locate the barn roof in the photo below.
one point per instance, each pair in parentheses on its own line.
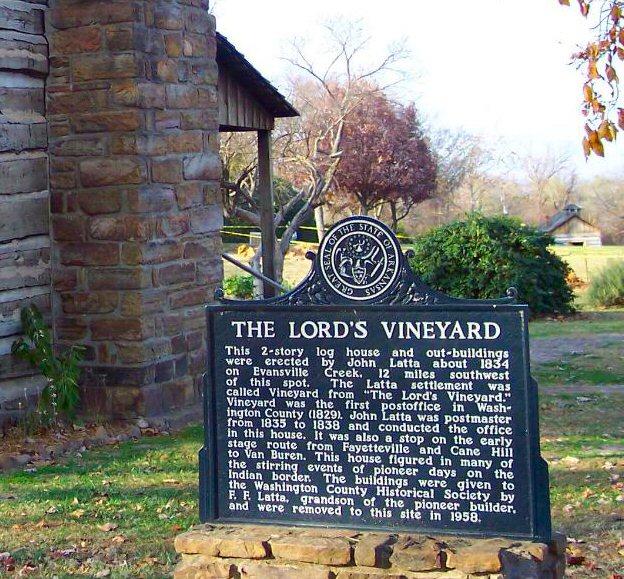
(569,212)
(244,72)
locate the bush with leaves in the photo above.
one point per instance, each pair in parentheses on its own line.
(61,395)
(239,286)
(607,289)
(481,257)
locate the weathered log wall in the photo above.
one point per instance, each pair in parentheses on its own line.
(24,197)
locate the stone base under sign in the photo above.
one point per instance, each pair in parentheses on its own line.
(270,552)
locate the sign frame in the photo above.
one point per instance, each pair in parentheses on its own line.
(406,293)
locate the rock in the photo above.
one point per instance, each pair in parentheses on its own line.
(55,450)
(481,557)
(323,551)
(368,574)
(270,571)
(22,459)
(374,550)
(160,423)
(249,544)
(135,432)
(520,564)
(537,551)
(100,434)
(7,462)
(198,567)
(559,544)
(454,574)
(328,533)
(142,423)
(43,452)
(418,553)
(72,445)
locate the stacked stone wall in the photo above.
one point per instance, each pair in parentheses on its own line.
(24,197)
(134,170)
(270,552)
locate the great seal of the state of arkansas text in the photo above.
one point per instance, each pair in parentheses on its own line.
(360,259)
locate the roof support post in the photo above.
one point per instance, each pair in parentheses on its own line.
(265,193)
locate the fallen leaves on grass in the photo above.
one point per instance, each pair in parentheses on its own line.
(108,527)
(43,524)
(573,560)
(7,562)
(62,553)
(27,569)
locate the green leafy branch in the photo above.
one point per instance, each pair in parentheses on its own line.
(61,395)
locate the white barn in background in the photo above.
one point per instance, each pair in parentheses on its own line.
(569,228)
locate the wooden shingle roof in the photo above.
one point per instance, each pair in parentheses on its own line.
(570,211)
(234,67)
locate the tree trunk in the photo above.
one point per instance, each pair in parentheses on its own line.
(319,219)
(255,264)
(279,266)
(393,216)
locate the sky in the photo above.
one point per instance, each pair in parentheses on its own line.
(497,68)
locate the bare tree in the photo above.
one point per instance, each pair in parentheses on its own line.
(604,200)
(325,89)
(562,189)
(541,171)
(464,162)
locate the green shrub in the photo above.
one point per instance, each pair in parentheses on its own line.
(239,286)
(607,289)
(481,257)
(288,286)
(61,395)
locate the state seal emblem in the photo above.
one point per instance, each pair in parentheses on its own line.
(360,259)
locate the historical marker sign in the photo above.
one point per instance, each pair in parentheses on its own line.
(365,399)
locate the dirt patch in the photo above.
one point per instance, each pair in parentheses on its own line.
(554,349)
(604,389)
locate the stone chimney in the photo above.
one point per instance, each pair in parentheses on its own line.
(135,211)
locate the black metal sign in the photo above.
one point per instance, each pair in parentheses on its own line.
(365,399)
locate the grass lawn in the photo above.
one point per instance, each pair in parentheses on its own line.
(589,261)
(603,365)
(583,324)
(117,508)
(114,511)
